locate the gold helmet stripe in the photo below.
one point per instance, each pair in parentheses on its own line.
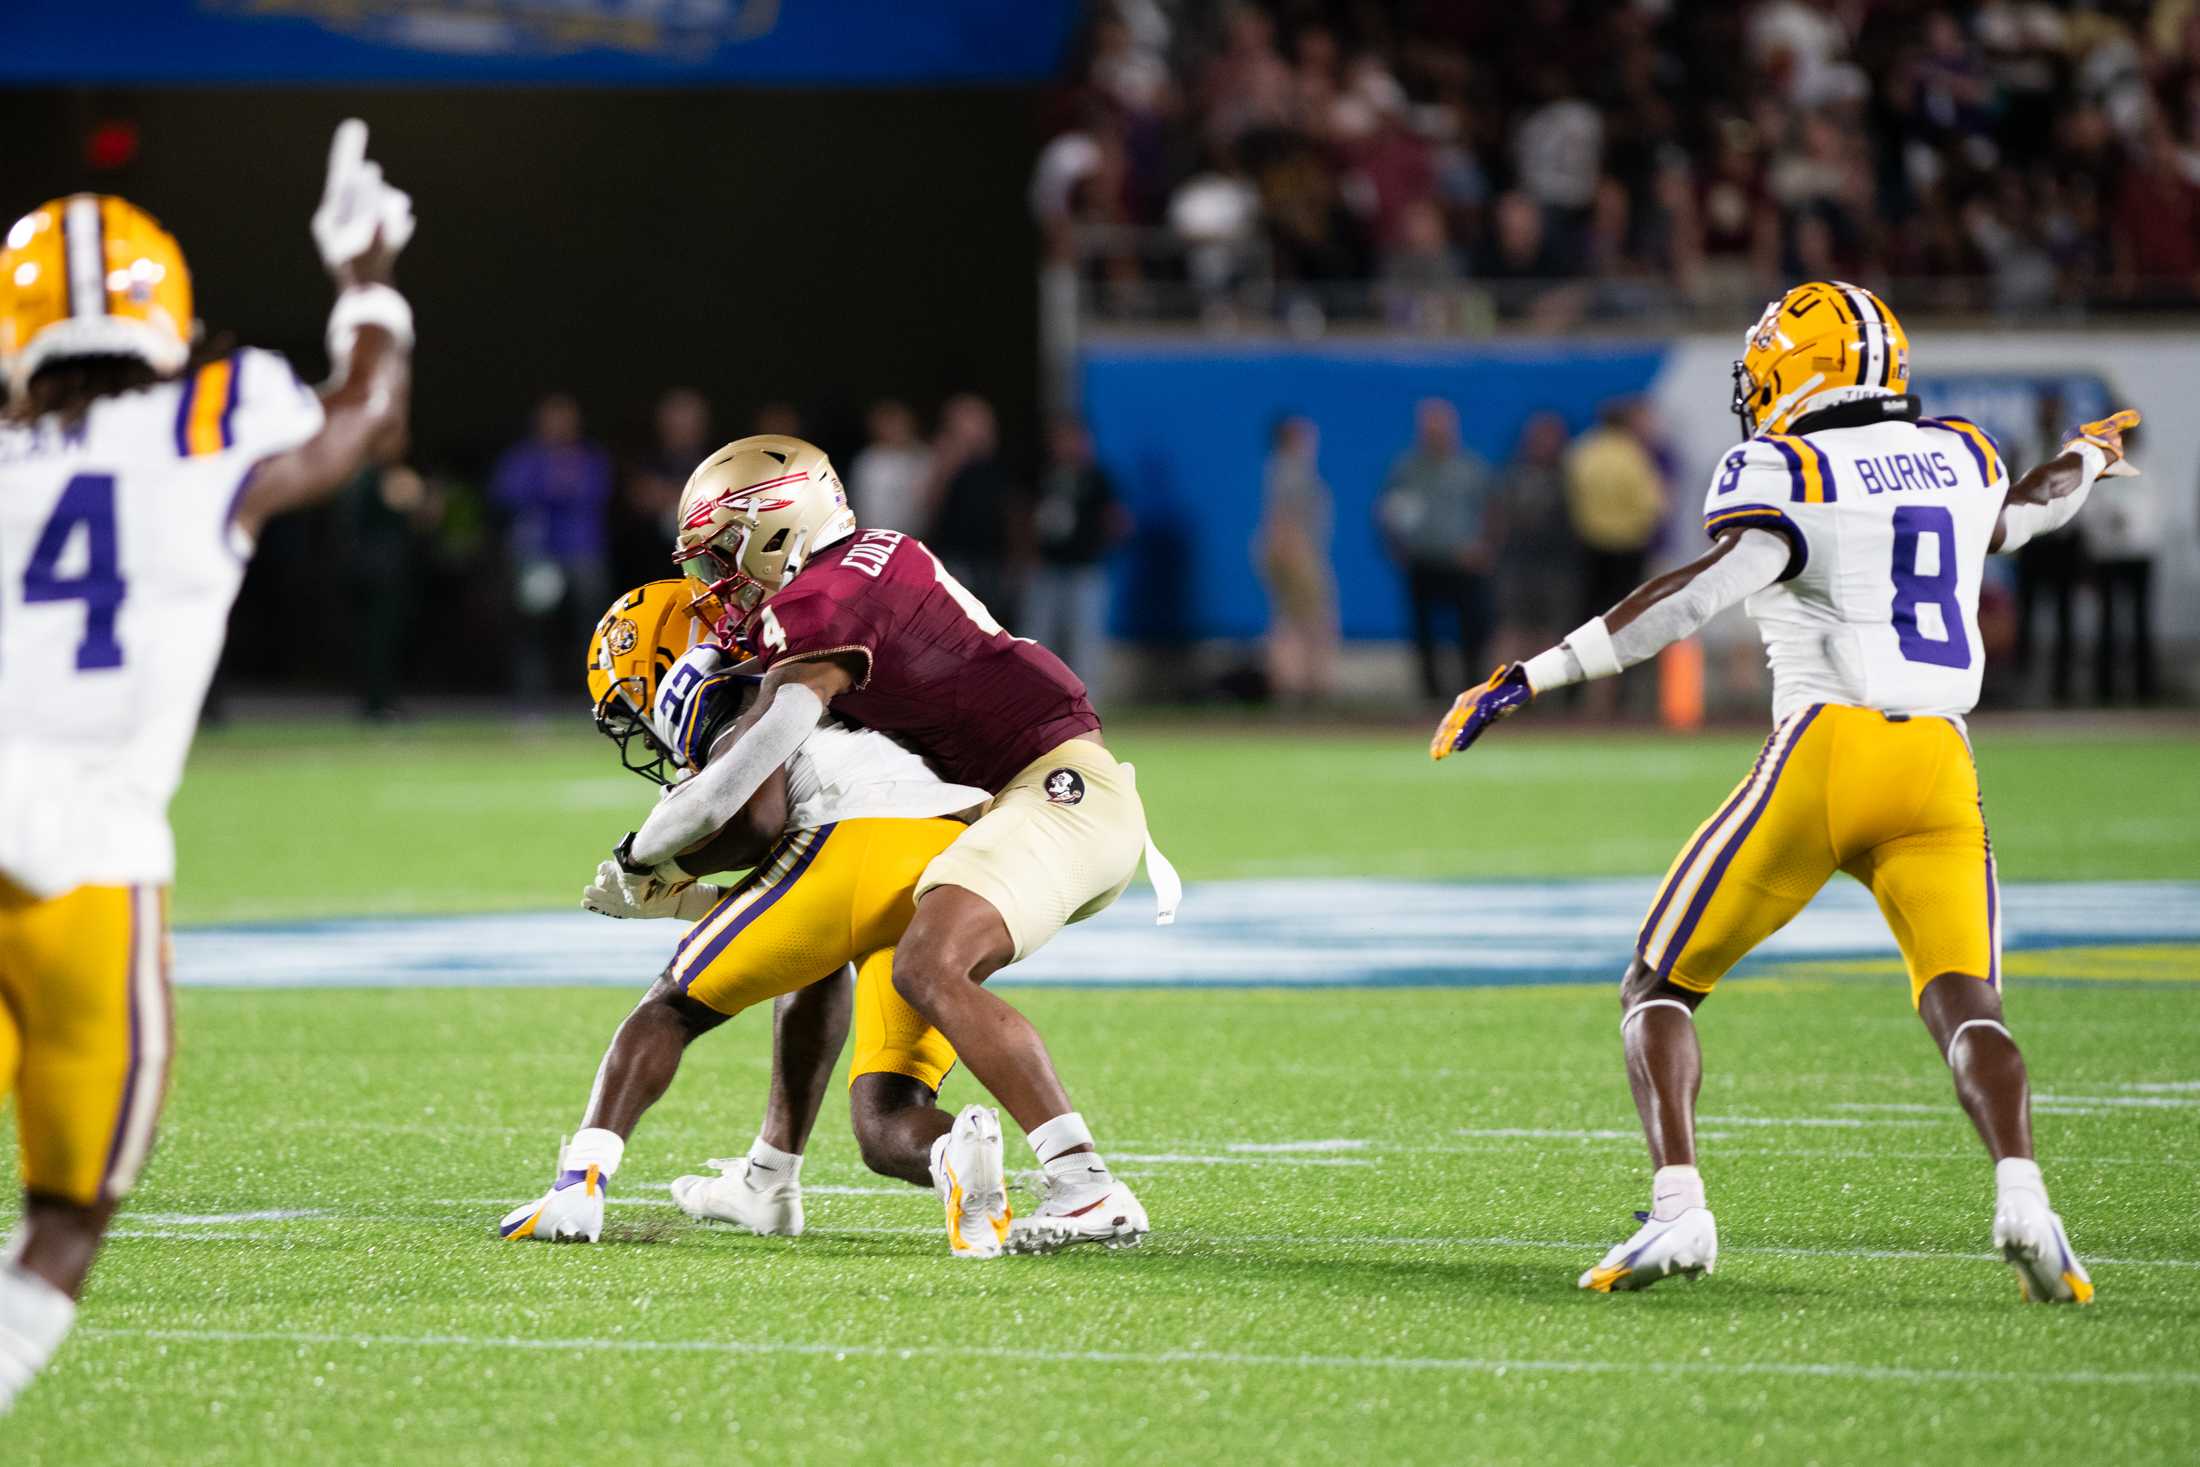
(84,245)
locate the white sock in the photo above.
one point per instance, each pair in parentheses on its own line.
(593,1146)
(785,1166)
(2018,1174)
(34,1319)
(1065,1133)
(1673,1190)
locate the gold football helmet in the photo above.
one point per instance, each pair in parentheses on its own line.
(646,630)
(754,512)
(92,275)
(1823,337)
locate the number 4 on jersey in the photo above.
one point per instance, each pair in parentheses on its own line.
(87,502)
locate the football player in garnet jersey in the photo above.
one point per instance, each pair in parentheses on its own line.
(836,841)
(870,625)
(1857,531)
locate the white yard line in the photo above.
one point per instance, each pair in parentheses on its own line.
(1268,1147)
(220,1219)
(1235,1359)
(1178,1158)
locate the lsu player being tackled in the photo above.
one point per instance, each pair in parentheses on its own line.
(1856,531)
(837,840)
(133,483)
(869,624)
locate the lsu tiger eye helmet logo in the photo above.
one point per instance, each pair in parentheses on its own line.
(1823,337)
(635,644)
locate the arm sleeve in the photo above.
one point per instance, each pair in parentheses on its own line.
(705,803)
(2022,523)
(1757,560)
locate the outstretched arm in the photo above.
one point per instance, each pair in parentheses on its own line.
(794,696)
(360,227)
(2051,495)
(1649,619)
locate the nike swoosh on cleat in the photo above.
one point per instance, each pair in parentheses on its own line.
(1081,1211)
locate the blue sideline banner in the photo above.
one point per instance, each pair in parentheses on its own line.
(1184,427)
(611,42)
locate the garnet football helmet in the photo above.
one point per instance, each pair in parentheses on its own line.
(752,515)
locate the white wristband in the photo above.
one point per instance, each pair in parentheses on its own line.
(362,306)
(1556,668)
(1591,644)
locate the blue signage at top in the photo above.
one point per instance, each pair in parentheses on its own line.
(619,42)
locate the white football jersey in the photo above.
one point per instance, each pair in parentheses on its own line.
(1888,525)
(843,773)
(118,563)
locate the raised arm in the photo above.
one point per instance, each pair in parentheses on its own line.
(793,697)
(2051,495)
(360,227)
(1647,620)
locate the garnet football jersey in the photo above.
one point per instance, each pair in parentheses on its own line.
(938,669)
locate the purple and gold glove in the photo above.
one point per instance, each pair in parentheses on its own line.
(1506,693)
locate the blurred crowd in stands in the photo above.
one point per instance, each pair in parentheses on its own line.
(1448,164)
(561,524)
(490,586)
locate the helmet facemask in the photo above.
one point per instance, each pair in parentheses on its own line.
(619,718)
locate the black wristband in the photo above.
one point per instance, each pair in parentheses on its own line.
(623,853)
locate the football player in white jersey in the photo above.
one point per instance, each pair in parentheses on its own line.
(133,483)
(837,841)
(1856,532)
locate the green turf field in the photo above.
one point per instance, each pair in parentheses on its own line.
(1407,1300)
(1370,1206)
(321,820)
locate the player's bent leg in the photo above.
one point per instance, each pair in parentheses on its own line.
(762,1191)
(897,1122)
(956,941)
(1679,1235)
(85,1037)
(634,1074)
(1964,1015)
(894,1078)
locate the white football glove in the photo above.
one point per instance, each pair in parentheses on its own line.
(356,202)
(618,892)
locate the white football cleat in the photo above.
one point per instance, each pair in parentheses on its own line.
(1089,1206)
(1687,1244)
(972,1182)
(570,1212)
(2031,1237)
(766,1202)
